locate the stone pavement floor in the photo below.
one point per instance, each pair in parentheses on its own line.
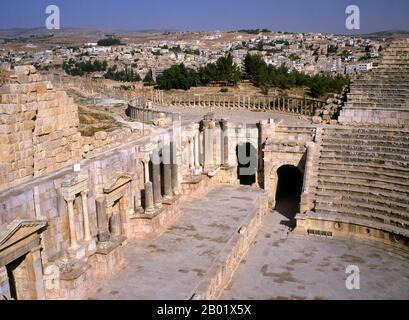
(297,267)
(237,116)
(172,265)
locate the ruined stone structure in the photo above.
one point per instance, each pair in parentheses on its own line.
(359,180)
(39,128)
(62,229)
(297,105)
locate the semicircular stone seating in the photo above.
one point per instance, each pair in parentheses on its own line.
(363,165)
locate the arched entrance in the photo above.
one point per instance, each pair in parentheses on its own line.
(247,161)
(288,195)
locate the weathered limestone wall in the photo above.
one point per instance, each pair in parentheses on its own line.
(38,128)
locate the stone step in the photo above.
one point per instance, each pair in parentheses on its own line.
(395,176)
(367,138)
(377,200)
(374,105)
(379,95)
(367,86)
(353,145)
(365,199)
(362,166)
(395,191)
(355,214)
(322,176)
(403,144)
(394,159)
(377,101)
(369,210)
(381,80)
(362,192)
(370,133)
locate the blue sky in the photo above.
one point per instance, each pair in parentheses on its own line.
(195,15)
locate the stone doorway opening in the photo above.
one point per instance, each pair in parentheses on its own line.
(247,162)
(17,277)
(288,195)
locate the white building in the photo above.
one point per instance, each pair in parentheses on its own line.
(358,68)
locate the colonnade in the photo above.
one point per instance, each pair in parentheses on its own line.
(157,160)
(299,105)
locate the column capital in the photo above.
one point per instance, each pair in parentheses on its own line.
(211,124)
(225,124)
(69,198)
(84,193)
(204,124)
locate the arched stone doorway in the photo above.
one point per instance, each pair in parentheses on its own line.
(247,162)
(288,194)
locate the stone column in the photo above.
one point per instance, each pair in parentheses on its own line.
(149,208)
(225,143)
(71,220)
(175,168)
(156,180)
(84,198)
(191,152)
(167,172)
(146,170)
(196,147)
(208,143)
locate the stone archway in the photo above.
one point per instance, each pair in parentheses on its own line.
(288,192)
(247,163)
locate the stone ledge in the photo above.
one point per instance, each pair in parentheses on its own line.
(225,265)
(340,226)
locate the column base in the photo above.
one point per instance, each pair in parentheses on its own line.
(77,253)
(74,283)
(149,211)
(108,259)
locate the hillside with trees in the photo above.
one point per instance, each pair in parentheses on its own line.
(110,41)
(80,68)
(125,75)
(223,72)
(262,75)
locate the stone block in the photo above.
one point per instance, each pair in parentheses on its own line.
(22,70)
(100,135)
(62,157)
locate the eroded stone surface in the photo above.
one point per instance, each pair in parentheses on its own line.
(297,267)
(171,266)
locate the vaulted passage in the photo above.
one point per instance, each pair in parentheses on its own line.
(247,163)
(289,189)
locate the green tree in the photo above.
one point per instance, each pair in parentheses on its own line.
(148,80)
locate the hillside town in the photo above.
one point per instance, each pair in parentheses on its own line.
(311,53)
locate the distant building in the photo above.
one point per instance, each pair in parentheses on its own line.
(358,68)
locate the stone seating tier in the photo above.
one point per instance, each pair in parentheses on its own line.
(363,173)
